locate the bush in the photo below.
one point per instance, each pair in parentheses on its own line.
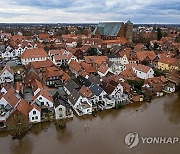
(118,106)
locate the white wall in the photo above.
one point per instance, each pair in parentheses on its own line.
(6,74)
(31,115)
(28,60)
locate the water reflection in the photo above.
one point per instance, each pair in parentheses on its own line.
(41,127)
(23,146)
(63,135)
(172,108)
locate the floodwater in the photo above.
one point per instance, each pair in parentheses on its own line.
(105,133)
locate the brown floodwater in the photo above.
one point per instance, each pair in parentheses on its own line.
(105,133)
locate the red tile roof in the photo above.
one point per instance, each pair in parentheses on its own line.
(75,65)
(23,107)
(8,69)
(141,55)
(12,97)
(34,53)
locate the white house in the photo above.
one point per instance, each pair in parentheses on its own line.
(71,43)
(79,104)
(99,95)
(142,71)
(62,110)
(31,55)
(7,75)
(43,98)
(63,58)
(124,59)
(34,114)
(116,68)
(8,53)
(114,92)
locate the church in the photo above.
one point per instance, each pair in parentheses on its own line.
(114,31)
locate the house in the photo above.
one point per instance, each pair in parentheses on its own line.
(36,86)
(40,66)
(8,102)
(99,95)
(43,37)
(154,85)
(62,109)
(7,75)
(96,61)
(114,92)
(94,79)
(88,68)
(62,57)
(79,104)
(114,57)
(8,53)
(52,76)
(71,43)
(168,64)
(128,75)
(82,81)
(34,114)
(43,99)
(19,115)
(116,68)
(69,86)
(169,87)
(127,56)
(141,71)
(4,88)
(29,77)
(174,78)
(75,67)
(146,57)
(31,55)
(103,70)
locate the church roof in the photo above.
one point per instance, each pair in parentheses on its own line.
(108,28)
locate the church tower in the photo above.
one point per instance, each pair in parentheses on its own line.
(129,31)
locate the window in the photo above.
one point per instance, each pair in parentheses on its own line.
(40,98)
(32,118)
(36,117)
(100,97)
(34,112)
(42,103)
(60,109)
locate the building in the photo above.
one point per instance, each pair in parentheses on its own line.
(114,30)
(34,114)
(168,64)
(7,75)
(141,71)
(31,55)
